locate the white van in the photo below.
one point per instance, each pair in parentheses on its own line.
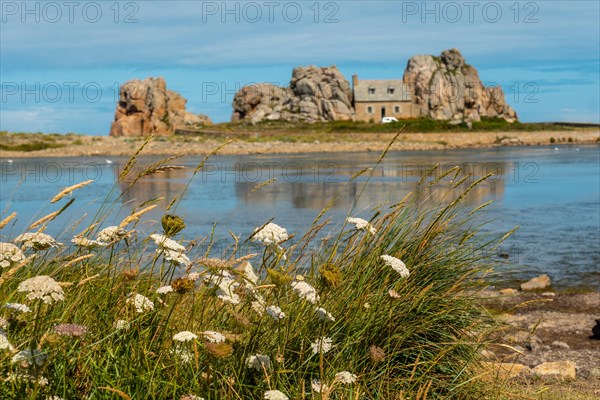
(387,120)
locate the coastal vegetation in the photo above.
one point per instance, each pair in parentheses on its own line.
(385,308)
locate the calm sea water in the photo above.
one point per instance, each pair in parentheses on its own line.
(553,194)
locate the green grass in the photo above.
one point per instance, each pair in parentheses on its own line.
(411,126)
(415,337)
(31,146)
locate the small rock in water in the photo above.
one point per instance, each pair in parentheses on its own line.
(508,291)
(596,331)
(556,369)
(537,283)
(549,294)
(560,345)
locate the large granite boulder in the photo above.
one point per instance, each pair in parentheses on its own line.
(447,88)
(314,94)
(147,107)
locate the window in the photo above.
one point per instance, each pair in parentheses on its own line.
(397,109)
(391,90)
(370,110)
(371,90)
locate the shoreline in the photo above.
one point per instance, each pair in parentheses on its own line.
(245,144)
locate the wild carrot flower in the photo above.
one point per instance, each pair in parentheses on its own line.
(305,291)
(324,315)
(85,242)
(140,302)
(185,336)
(184,355)
(164,289)
(10,255)
(275,312)
(29,357)
(111,234)
(165,243)
(318,386)
(225,285)
(42,287)
(72,330)
(362,224)
(397,265)
(17,307)
(248,273)
(4,343)
(258,306)
(275,395)
(270,234)
(345,377)
(121,324)
(36,241)
(393,294)
(213,337)
(175,257)
(258,362)
(322,344)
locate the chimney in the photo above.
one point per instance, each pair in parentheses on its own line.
(354,80)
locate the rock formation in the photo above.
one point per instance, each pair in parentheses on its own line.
(442,88)
(314,94)
(147,107)
(447,88)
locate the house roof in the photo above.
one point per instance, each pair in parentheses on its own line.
(381,90)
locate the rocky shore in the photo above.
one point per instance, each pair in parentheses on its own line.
(282,143)
(548,339)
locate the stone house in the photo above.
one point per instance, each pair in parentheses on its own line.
(375,99)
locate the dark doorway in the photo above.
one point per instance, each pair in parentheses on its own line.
(382,112)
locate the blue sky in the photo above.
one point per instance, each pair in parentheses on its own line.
(61,62)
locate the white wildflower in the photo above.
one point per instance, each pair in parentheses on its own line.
(324,315)
(258,306)
(140,302)
(29,357)
(275,312)
(10,255)
(213,337)
(393,294)
(225,285)
(305,291)
(42,287)
(85,242)
(17,307)
(345,377)
(185,336)
(184,355)
(4,343)
(362,224)
(122,325)
(164,289)
(54,398)
(323,344)
(318,386)
(191,397)
(165,243)
(258,362)
(36,241)
(19,377)
(248,273)
(175,257)
(270,234)
(193,276)
(367,306)
(397,265)
(275,395)
(111,234)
